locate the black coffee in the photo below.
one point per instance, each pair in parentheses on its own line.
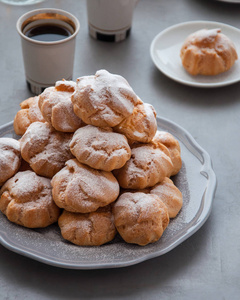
(48,33)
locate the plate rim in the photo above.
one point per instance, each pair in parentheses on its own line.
(207,170)
(176,78)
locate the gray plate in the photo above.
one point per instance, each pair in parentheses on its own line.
(197,182)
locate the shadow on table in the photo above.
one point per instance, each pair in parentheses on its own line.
(194,96)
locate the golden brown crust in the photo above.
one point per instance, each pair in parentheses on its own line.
(141,125)
(91,229)
(103,99)
(65,86)
(28,114)
(168,140)
(140,218)
(79,188)
(148,165)
(57,109)
(100,148)
(45,149)
(208,52)
(10,158)
(26,199)
(170,195)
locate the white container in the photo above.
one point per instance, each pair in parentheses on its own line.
(110,20)
(47,62)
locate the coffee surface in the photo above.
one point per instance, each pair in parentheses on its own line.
(48,33)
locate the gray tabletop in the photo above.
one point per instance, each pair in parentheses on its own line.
(205,266)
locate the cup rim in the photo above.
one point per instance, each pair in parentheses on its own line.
(47,10)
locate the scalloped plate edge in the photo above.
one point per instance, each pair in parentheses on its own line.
(209,194)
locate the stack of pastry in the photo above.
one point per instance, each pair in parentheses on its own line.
(93,160)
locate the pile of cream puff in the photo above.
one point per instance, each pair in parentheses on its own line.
(90,157)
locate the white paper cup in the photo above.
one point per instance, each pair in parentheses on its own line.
(110,20)
(47,62)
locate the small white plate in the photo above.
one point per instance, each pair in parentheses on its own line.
(165,53)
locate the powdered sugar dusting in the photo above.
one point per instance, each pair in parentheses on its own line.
(141,125)
(9,144)
(104,99)
(206,35)
(147,166)
(56,107)
(87,188)
(100,148)
(45,149)
(10,158)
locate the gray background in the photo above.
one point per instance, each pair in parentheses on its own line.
(207,265)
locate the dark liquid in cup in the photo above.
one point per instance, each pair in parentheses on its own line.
(48,33)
